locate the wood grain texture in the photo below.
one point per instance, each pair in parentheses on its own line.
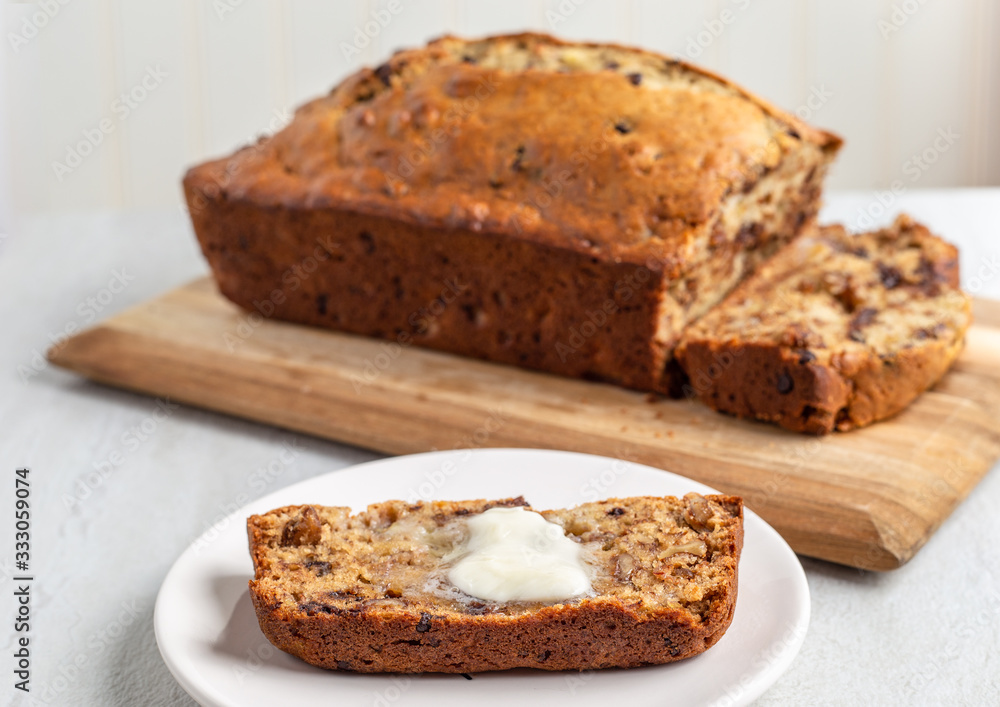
(869,498)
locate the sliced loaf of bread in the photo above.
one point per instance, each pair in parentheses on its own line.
(835,332)
(560,206)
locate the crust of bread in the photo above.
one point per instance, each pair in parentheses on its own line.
(397,635)
(585,266)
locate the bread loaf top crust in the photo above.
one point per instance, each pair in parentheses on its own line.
(620,153)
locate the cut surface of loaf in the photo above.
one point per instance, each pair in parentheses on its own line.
(370,592)
(560,206)
(835,332)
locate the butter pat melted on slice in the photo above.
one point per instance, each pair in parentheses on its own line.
(513,554)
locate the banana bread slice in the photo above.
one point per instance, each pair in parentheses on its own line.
(559,206)
(370,592)
(835,332)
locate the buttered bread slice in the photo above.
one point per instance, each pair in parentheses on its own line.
(480,585)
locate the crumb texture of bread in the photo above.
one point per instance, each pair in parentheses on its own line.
(560,206)
(370,592)
(835,332)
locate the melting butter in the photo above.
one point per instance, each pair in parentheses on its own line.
(513,554)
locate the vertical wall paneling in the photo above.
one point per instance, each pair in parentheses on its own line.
(241,56)
(764,48)
(932,50)
(280,70)
(6,198)
(980,69)
(194,119)
(987,139)
(477,18)
(415,23)
(886,75)
(156,112)
(849,67)
(591,20)
(22,104)
(110,38)
(673,27)
(66,97)
(327,42)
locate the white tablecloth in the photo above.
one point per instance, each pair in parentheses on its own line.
(120,487)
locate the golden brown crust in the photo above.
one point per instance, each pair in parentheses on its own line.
(835,332)
(581,240)
(685,604)
(500,145)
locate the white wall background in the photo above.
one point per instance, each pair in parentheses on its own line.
(889,75)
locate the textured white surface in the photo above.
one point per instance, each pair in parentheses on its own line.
(928,633)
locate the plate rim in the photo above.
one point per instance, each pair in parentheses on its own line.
(204,693)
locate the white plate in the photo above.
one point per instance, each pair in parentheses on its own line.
(208,634)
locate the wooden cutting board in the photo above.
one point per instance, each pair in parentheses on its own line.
(869,498)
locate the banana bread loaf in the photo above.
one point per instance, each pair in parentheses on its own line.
(371,592)
(835,332)
(559,206)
